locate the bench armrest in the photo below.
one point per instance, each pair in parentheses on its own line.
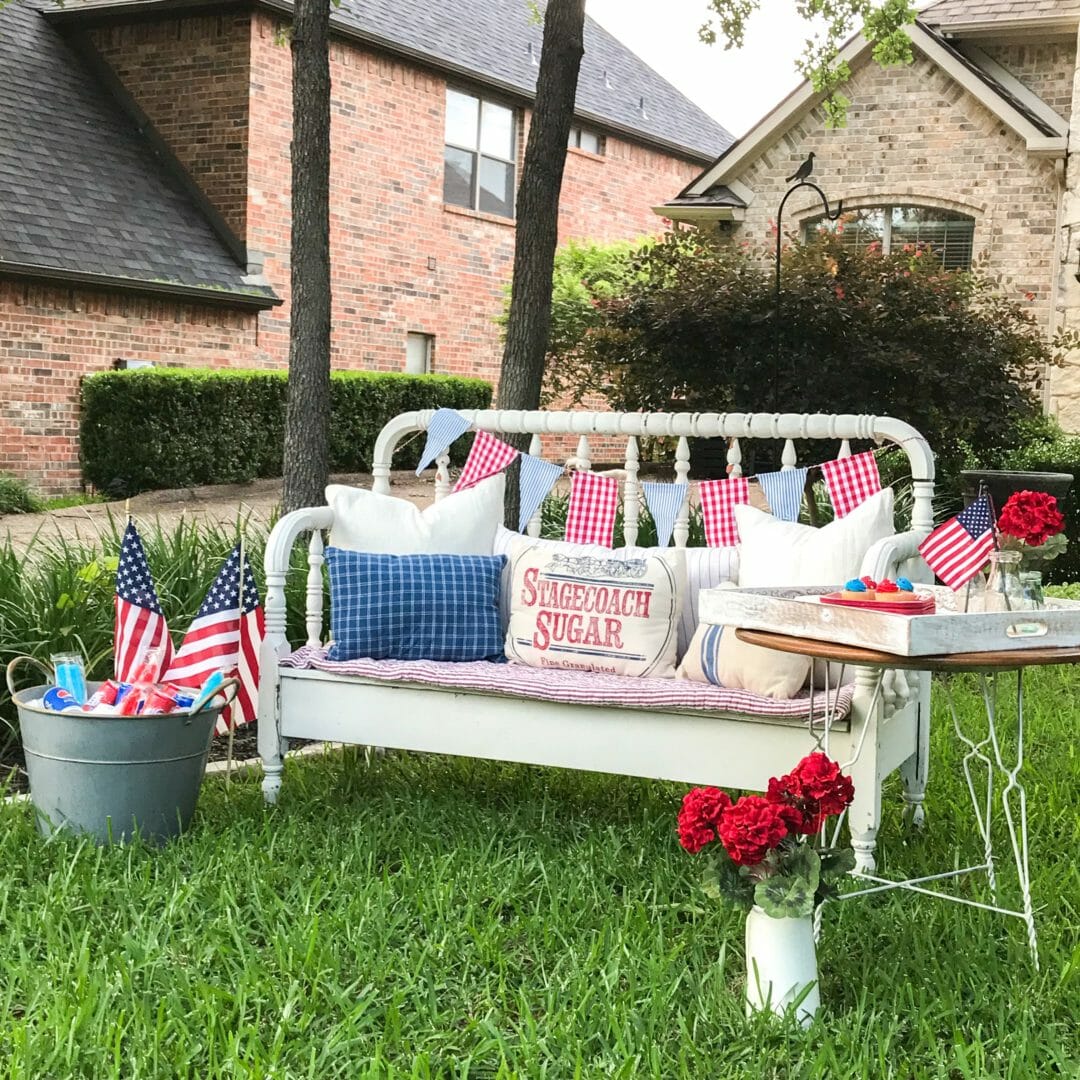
(897,556)
(279,547)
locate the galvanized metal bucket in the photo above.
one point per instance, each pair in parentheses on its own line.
(112,777)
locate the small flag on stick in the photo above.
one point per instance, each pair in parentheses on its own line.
(957,550)
(226,635)
(851,480)
(718,501)
(140,624)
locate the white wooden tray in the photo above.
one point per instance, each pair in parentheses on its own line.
(799,612)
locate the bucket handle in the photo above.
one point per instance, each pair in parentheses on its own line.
(232,684)
(43,668)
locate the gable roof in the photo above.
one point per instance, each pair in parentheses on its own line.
(497,43)
(1042,129)
(947,13)
(81,194)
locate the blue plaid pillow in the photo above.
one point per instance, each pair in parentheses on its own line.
(414,607)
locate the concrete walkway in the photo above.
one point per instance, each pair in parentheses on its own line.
(218,504)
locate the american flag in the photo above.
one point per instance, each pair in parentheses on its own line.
(225,635)
(140,624)
(957,550)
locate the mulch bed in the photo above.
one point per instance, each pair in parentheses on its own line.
(13,779)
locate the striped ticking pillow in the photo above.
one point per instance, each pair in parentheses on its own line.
(414,607)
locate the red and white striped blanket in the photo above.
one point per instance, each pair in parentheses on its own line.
(579,687)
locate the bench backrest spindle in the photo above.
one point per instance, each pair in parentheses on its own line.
(631,493)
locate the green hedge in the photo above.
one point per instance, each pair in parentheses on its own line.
(175,427)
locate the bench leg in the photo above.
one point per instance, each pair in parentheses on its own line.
(915,772)
(864,814)
(271,746)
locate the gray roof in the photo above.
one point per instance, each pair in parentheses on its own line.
(961,12)
(498,42)
(80,189)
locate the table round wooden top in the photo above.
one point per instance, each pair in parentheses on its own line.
(858,656)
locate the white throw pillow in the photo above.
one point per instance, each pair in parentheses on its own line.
(593,612)
(774,552)
(462,523)
(706,568)
(717,656)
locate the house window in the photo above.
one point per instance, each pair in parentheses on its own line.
(480,157)
(584,139)
(948,233)
(419,350)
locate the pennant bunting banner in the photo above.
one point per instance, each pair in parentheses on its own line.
(851,481)
(487,457)
(664,502)
(718,501)
(536,479)
(784,492)
(446,425)
(590,518)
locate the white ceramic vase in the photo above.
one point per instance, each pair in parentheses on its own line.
(781,962)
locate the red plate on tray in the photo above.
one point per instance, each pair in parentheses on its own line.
(924,605)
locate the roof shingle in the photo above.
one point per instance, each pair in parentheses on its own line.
(80,189)
(947,12)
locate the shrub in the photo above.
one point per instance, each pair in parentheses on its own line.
(183,426)
(16,497)
(695,328)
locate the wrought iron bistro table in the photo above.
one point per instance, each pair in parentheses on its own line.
(983,749)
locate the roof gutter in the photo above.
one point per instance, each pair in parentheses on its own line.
(143,10)
(202,294)
(1052,26)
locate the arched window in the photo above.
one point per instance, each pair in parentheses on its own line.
(949,233)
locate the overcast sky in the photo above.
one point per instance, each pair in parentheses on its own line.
(737,87)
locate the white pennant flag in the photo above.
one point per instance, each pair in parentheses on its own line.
(535,481)
(664,502)
(446,425)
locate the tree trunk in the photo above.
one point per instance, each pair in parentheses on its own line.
(307,417)
(529,322)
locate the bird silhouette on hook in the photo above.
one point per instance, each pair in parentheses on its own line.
(803,171)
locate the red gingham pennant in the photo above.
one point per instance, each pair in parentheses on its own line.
(590,518)
(851,480)
(718,501)
(487,457)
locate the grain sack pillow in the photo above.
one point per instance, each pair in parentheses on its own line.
(715,655)
(593,612)
(462,523)
(414,607)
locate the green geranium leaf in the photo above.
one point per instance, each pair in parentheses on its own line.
(835,861)
(785,897)
(724,880)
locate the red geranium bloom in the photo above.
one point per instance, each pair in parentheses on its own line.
(1031,516)
(701,811)
(815,789)
(803,815)
(751,828)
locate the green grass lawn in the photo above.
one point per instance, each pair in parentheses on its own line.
(424,917)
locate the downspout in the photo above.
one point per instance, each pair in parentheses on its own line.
(1056,278)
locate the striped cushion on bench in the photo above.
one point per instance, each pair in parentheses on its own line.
(578,687)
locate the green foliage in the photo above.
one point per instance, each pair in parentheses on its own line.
(883,22)
(58,597)
(789,892)
(163,428)
(695,329)
(16,496)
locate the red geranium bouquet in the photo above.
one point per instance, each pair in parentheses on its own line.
(1031,523)
(763,856)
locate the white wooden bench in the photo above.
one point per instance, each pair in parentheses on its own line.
(727,749)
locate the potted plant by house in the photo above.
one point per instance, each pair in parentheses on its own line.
(761,858)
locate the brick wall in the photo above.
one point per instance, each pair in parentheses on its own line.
(1046,69)
(51,337)
(915,136)
(190,77)
(218,89)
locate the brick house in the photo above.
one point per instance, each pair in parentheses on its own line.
(967,148)
(144,188)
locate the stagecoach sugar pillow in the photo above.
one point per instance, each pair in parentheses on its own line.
(462,523)
(619,616)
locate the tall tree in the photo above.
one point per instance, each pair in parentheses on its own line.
(529,320)
(307,417)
